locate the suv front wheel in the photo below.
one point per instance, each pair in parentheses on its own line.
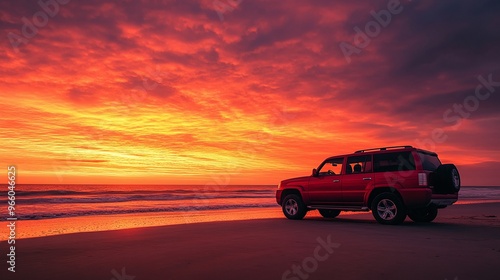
(293,207)
(388,209)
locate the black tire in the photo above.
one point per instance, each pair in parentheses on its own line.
(327,213)
(293,207)
(388,209)
(446,179)
(424,215)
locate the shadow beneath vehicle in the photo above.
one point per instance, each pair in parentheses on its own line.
(446,223)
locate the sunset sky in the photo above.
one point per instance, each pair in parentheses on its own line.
(243,92)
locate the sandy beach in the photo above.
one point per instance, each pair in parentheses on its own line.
(463,243)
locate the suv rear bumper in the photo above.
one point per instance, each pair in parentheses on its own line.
(443,200)
(423,197)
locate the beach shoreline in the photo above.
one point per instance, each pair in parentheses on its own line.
(463,243)
(98,223)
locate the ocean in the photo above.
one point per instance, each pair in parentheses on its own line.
(36,202)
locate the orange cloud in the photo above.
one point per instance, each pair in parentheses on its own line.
(166,92)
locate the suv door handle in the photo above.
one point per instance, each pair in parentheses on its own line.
(367,178)
(336,181)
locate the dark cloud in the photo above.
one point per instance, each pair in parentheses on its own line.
(267,57)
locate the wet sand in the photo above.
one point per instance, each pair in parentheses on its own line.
(463,243)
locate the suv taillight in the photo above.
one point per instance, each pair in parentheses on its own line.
(422,179)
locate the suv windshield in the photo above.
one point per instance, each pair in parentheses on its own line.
(331,167)
(429,162)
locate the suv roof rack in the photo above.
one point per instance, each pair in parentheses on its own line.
(383,149)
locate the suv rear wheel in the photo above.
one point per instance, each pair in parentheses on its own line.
(327,213)
(293,207)
(388,209)
(424,215)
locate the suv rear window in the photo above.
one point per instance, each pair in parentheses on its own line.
(429,162)
(398,161)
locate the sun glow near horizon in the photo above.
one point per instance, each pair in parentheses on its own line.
(174,95)
(160,144)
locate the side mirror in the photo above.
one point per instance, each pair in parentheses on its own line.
(314,172)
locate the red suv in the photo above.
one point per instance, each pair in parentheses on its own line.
(392,182)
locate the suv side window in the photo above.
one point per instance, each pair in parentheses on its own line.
(331,167)
(397,161)
(359,164)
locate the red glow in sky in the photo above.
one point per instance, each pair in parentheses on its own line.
(243,92)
